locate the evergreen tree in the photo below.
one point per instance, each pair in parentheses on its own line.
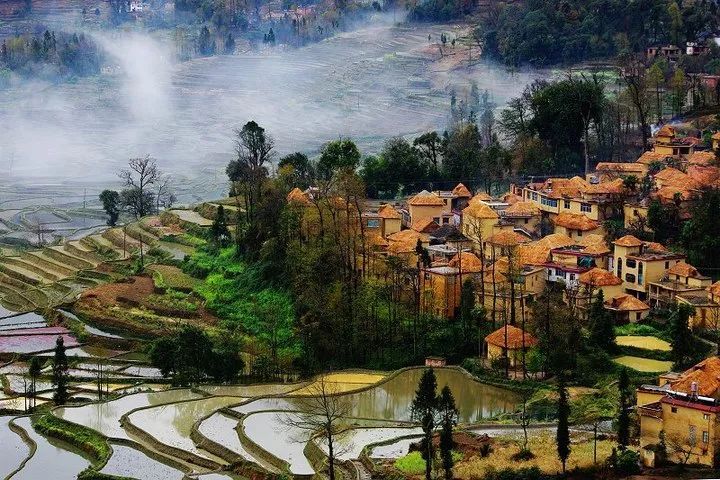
(229,44)
(206,44)
(111,204)
(60,373)
(448,417)
(623,421)
(682,341)
(34,373)
(602,329)
(219,230)
(423,410)
(563,431)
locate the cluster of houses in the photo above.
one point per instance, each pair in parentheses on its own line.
(553,232)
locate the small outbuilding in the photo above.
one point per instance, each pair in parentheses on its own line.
(509,340)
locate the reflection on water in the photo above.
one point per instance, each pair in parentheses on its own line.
(12,449)
(52,459)
(129,462)
(105,417)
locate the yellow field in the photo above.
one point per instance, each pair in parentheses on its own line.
(644,364)
(543,446)
(341,383)
(643,341)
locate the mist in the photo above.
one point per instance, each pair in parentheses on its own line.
(369,84)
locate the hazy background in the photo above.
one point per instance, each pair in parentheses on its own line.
(369,84)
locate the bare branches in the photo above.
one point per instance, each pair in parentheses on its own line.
(141,172)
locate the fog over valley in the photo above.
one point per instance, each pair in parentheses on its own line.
(368,84)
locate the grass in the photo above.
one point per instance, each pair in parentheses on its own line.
(87,440)
(413,463)
(166,276)
(643,341)
(644,364)
(545,451)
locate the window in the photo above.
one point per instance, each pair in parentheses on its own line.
(638,316)
(572,277)
(673,409)
(567,204)
(446,220)
(579,233)
(630,263)
(445,201)
(373,223)
(585,207)
(534,196)
(549,202)
(629,277)
(706,436)
(706,416)
(667,265)
(526,221)
(436,220)
(619,267)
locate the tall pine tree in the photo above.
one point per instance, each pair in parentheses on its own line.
(448,418)
(682,341)
(563,429)
(60,373)
(602,328)
(424,409)
(623,421)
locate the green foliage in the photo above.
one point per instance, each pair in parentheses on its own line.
(111,204)
(525,473)
(190,356)
(60,373)
(448,419)
(664,220)
(625,462)
(563,432)
(411,464)
(700,236)
(624,405)
(337,155)
(219,232)
(682,339)
(423,410)
(92,474)
(602,333)
(89,441)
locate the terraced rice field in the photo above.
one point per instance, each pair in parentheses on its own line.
(14,450)
(644,364)
(130,462)
(340,383)
(643,341)
(191,216)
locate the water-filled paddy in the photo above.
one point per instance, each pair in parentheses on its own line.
(130,462)
(172,424)
(30,317)
(250,390)
(33,343)
(13,449)
(340,383)
(105,417)
(272,432)
(350,445)
(52,459)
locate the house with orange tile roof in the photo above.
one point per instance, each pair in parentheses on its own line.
(640,263)
(609,171)
(681,279)
(509,284)
(706,307)
(567,263)
(667,142)
(627,309)
(523,215)
(385,221)
(509,342)
(686,409)
(429,205)
(480,221)
(441,284)
(575,225)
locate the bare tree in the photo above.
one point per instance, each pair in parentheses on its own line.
(683,448)
(164,196)
(141,174)
(322,414)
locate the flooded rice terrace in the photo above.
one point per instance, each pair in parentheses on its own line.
(369,84)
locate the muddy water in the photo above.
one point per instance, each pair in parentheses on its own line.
(13,450)
(250,390)
(274,433)
(130,462)
(52,459)
(105,417)
(172,424)
(391,400)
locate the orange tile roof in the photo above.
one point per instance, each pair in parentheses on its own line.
(425,225)
(597,277)
(627,303)
(651,157)
(377,240)
(655,247)
(666,131)
(387,211)
(596,249)
(514,335)
(613,187)
(592,239)
(714,289)
(706,375)
(298,196)
(683,269)
(480,210)
(507,238)
(469,262)
(575,221)
(701,158)
(703,174)
(564,187)
(481,196)
(461,191)
(533,254)
(522,209)
(628,241)
(403,241)
(619,167)
(426,198)
(511,198)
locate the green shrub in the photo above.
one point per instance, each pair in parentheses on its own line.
(92,474)
(411,464)
(530,473)
(87,440)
